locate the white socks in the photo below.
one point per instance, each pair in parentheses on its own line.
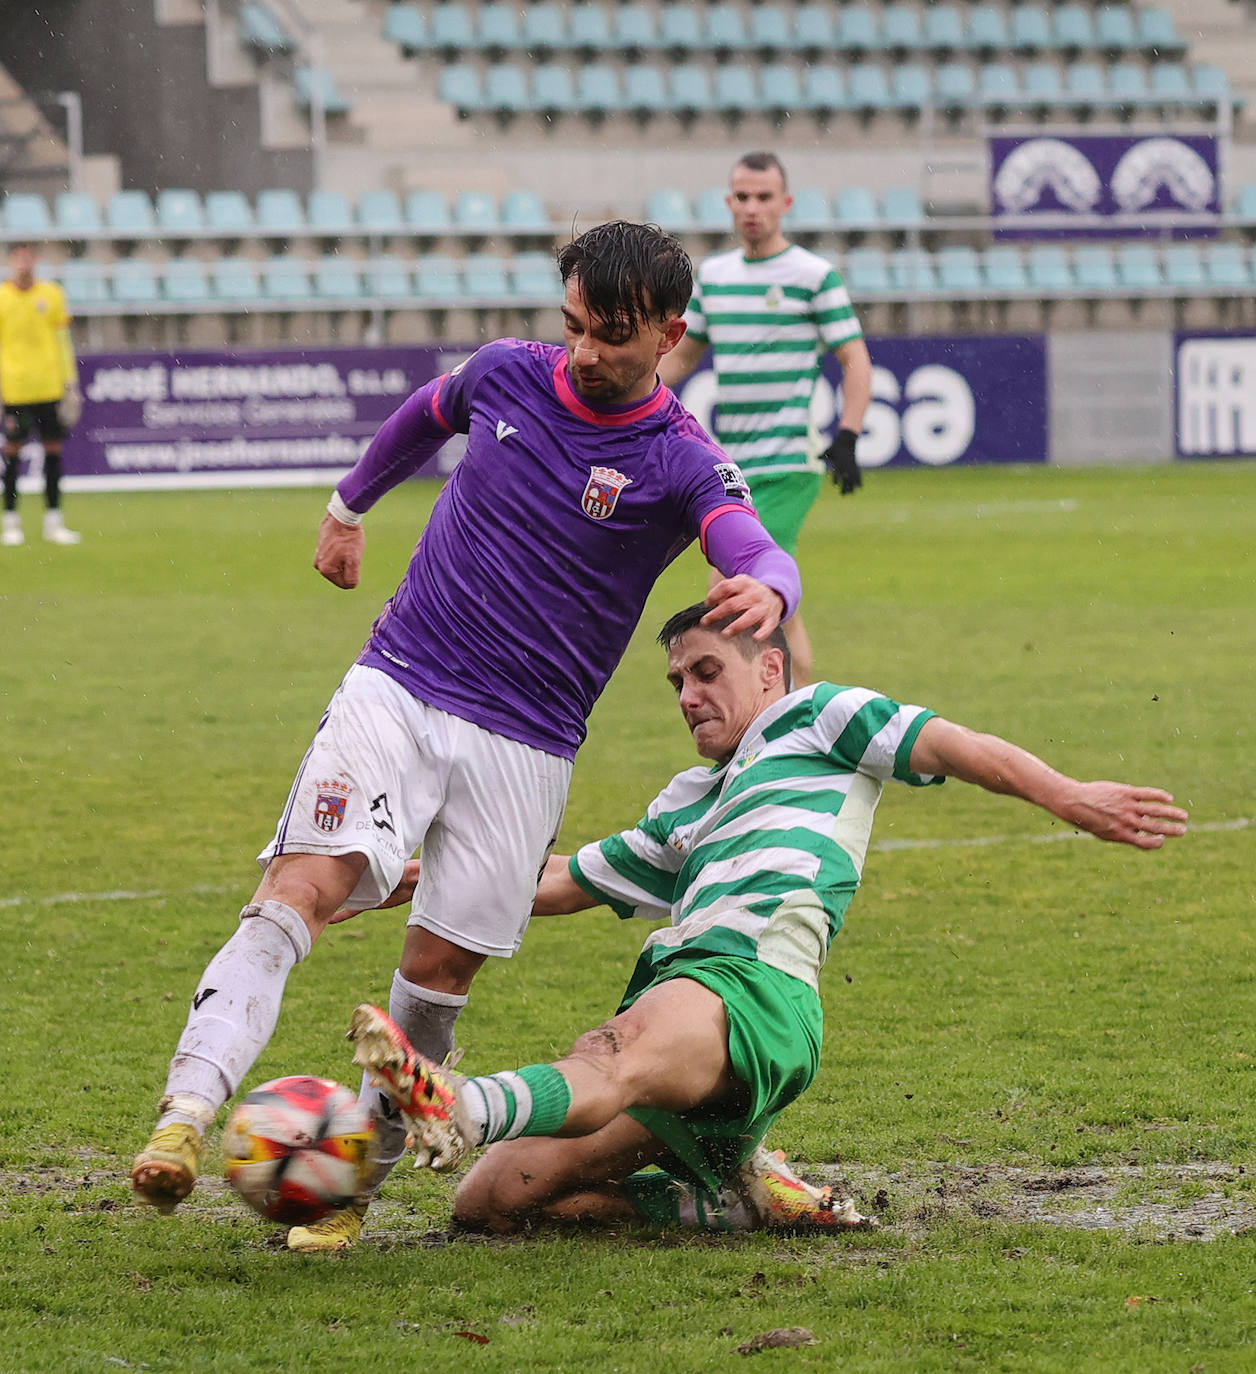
(234,1011)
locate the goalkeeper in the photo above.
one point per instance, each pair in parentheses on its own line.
(754,861)
(768,310)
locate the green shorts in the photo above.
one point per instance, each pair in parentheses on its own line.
(775,1026)
(783,503)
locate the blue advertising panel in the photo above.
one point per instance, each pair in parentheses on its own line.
(1214,379)
(935,401)
(1100,185)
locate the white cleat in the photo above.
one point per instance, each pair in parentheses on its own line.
(55,531)
(12,534)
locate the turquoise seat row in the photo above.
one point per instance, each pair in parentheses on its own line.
(181,213)
(780,89)
(590,27)
(238,283)
(814,210)
(1093,270)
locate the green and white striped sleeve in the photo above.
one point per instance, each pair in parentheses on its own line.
(833,312)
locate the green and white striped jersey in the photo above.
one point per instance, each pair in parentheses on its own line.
(769,321)
(761,856)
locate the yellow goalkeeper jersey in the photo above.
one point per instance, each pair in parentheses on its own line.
(33,353)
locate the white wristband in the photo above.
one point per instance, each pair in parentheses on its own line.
(337,509)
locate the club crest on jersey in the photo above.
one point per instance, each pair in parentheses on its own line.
(601,492)
(774,297)
(329,805)
(734,483)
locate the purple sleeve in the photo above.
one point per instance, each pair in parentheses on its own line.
(410,437)
(735,541)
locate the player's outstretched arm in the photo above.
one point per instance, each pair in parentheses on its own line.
(558,893)
(760,585)
(1141,816)
(753,603)
(338,553)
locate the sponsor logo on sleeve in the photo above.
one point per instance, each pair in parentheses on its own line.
(734,483)
(601,492)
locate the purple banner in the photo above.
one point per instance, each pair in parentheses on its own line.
(249,417)
(935,401)
(1215,383)
(1104,185)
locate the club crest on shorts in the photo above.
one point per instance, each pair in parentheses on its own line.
(601,492)
(329,805)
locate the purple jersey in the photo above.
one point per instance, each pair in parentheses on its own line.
(532,573)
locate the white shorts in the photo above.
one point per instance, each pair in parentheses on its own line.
(388,774)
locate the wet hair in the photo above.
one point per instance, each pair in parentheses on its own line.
(629,273)
(763,162)
(691,619)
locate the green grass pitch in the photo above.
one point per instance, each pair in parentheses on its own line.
(1040,1053)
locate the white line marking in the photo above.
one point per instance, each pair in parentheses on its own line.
(881,847)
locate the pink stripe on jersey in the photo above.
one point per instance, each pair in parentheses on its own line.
(436,410)
(562,385)
(714,515)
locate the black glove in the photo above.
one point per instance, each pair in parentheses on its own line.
(839,458)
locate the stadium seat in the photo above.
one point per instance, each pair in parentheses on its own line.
(1127,87)
(959,270)
(901,208)
(1138,267)
(388,279)
(543,29)
(1073,30)
(901,30)
(180,211)
(452,31)
(954,88)
(1003,269)
(857,208)
(77,214)
(824,89)
(135,282)
(636,29)
(262,32)
(235,280)
(691,90)
(186,280)
(600,90)
(867,90)
(998,88)
(534,276)
(811,211)
(815,28)
(710,211)
(944,31)
(1245,202)
(506,90)
(459,85)
(286,277)
(523,212)
(130,213)
(330,213)
(1210,87)
(670,210)
(645,92)
(484,277)
(475,213)
(1157,34)
(427,212)
(912,270)
(987,31)
(736,90)
(406,25)
(437,279)
(1184,266)
(1085,88)
(857,32)
(1094,269)
(1030,29)
(317,85)
(590,28)
(553,89)
(1049,270)
(85,283)
(769,31)
(497,28)
(911,88)
(1114,30)
(724,30)
(379,212)
(680,29)
(866,273)
(1041,87)
(1226,265)
(280,212)
(337,278)
(781,89)
(1169,86)
(228,213)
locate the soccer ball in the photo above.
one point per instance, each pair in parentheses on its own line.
(296,1149)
